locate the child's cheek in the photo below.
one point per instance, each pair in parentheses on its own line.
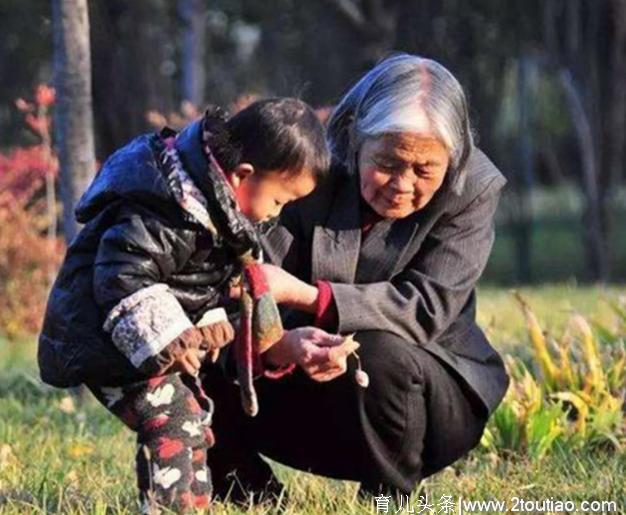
(253,209)
(242,199)
(265,209)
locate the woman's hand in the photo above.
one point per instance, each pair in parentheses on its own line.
(317,352)
(337,362)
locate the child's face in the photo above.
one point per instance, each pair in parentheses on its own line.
(262,197)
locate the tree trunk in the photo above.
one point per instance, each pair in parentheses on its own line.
(193,14)
(593,230)
(525,180)
(74,119)
(615,127)
(134,68)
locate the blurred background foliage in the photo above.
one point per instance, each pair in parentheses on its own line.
(545,80)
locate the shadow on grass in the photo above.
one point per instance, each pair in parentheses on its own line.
(25,387)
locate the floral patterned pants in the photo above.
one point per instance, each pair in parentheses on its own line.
(171,415)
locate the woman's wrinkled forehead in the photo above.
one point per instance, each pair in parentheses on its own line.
(412,146)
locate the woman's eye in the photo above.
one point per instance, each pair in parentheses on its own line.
(390,167)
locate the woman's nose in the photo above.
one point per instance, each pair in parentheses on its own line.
(405,182)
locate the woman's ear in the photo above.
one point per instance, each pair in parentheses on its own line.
(240,173)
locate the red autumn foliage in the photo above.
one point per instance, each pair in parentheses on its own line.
(29,255)
(44,95)
(23,174)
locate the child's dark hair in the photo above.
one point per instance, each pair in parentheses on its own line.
(272,134)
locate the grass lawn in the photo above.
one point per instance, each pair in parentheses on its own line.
(55,457)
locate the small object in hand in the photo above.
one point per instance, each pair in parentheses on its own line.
(350,346)
(344,349)
(360,376)
(362,379)
(341,352)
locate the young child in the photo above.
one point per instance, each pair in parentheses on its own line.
(168,224)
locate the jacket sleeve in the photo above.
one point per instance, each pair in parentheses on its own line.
(420,302)
(134,260)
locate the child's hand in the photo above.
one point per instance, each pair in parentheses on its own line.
(216,336)
(183,354)
(188,361)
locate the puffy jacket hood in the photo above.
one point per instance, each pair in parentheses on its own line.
(133,174)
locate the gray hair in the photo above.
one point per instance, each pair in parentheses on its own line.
(394,96)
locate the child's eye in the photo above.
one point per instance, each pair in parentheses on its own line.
(277,203)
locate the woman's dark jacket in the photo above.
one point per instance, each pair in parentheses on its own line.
(135,237)
(414,277)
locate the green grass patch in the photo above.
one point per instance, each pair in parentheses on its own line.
(59,458)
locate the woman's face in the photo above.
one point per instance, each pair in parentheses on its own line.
(400,172)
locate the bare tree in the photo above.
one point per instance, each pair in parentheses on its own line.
(74,118)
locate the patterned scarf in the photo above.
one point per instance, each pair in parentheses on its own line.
(216,209)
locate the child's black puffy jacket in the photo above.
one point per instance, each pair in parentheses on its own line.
(135,237)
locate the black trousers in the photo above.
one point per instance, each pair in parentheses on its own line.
(415,418)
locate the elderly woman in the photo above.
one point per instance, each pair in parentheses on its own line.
(390,248)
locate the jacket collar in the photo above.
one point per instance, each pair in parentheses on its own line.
(339,252)
(337,242)
(189,147)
